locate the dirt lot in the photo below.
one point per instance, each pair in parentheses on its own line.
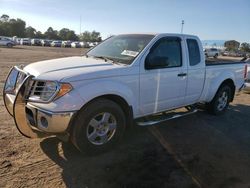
(195,151)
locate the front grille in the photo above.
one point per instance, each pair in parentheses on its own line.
(38,90)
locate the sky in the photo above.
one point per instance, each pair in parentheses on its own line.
(210,20)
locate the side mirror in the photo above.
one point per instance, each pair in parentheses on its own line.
(155,62)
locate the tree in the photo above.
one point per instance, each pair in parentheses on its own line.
(12,27)
(17,27)
(63,33)
(90,36)
(66,34)
(245,47)
(51,34)
(96,36)
(71,35)
(39,35)
(30,32)
(85,36)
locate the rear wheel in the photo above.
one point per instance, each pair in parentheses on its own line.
(98,127)
(216,55)
(220,102)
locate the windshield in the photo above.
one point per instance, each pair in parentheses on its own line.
(121,48)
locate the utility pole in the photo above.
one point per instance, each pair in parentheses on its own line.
(182,25)
(80,25)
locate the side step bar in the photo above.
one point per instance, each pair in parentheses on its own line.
(165,116)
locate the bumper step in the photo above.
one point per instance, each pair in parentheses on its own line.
(165,116)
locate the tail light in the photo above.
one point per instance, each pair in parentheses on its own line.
(245,72)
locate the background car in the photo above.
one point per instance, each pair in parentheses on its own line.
(25,41)
(247,88)
(36,42)
(225,53)
(91,44)
(84,44)
(56,43)
(75,45)
(45,42)
(211,52)
(66,44)
(4,41)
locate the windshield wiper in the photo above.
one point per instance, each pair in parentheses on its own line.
(104,58)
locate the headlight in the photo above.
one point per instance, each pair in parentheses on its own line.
(46,91)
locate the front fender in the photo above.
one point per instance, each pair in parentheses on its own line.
(128,91)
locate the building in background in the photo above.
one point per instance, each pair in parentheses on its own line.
(232,45)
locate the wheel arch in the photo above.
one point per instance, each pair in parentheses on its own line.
(126,108)
(231,84)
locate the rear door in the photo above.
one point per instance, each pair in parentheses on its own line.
(196,70)
(163,84)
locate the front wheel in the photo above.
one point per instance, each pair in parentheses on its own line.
(9,45)
(98,127)
(220,102)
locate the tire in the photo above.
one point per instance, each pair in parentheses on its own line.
(87,137)
(221,100)
(216,55)
(9,45)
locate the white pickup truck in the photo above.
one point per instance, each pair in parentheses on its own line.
(127,78)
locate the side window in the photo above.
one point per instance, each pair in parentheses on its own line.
(166,53)
(194,52)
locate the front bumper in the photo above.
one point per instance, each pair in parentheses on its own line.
(31,121)
(51,122)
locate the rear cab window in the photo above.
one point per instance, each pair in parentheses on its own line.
(193,52)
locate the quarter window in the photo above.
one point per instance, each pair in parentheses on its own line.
(194,52)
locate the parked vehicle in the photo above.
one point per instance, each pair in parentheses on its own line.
(128,78)
(16,40)
(25,41)
(56,43)
(247,85)
(46,42)
(84,44)
(225,53)
(240,54)
(91,44)
(66,44)
(36,42)
(5,41)
(212,52)
(75,45)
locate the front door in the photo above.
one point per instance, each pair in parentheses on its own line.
(163,78)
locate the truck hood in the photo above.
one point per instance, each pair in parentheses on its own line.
(73,68)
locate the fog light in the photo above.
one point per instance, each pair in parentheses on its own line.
(44,122)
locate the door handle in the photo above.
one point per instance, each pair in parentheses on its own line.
(182,74)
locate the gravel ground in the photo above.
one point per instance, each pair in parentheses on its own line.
(199,150)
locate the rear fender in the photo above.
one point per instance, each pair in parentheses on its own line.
(213,85)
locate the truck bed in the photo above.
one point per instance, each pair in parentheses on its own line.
(221,61)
